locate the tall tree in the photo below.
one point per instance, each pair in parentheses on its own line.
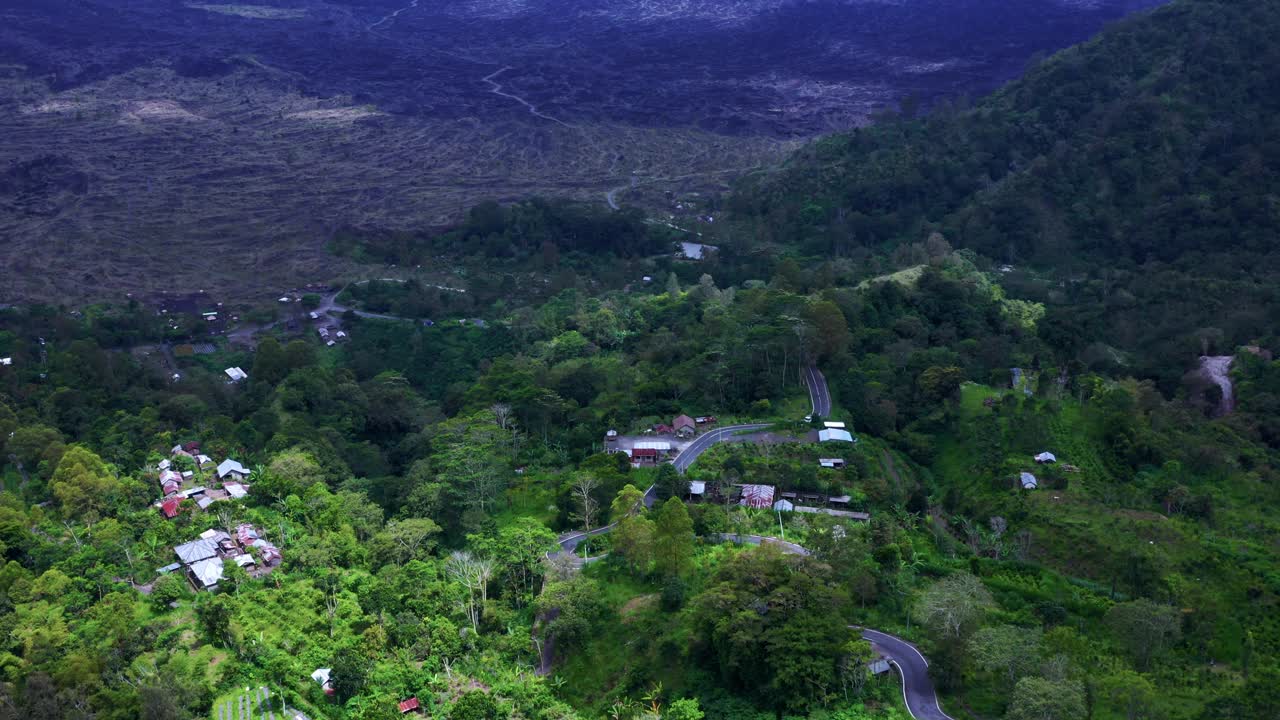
(673,538)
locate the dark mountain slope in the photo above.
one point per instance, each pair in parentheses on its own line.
(1139,170)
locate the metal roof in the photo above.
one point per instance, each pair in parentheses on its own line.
(833,435)
(207,572)
(196,550)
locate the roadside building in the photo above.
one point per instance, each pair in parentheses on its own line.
(756,496)
(834,435)
(697,490)
(833,425)
(784,506)
(684,426)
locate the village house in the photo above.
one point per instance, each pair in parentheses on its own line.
(236,374)
(834,435)
(321,675)
(231,470)
(756,496)
(408,706)
(834,463)
(684,426)
(1028,481)
(1046,458)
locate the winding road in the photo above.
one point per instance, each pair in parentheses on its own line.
(819,395)
(699,446)
(917,688)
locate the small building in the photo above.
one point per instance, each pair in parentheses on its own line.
(235,490)
(697,489)
(168,568)
(1046,458)
(170,487)
(705,419)
(203,460)
(188,474)
(408,706)
(236,374)
(879,667)
(684,426)
(321,675)
(204,502)
(784,506)
(756,496)
(834,435)
(196,550)
(170,476)
(164,465)
(842,500)
(231,469)
(644,456)
(611,436)
(6,361)
(170,508)
(1028,481)
(206,574)
(663,429)
(833,425)
(834,463)
(662,446)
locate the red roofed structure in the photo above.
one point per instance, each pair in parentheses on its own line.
(169,508)
(409,705)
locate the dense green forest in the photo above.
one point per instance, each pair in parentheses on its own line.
(1039,271)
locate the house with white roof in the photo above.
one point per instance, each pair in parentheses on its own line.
(834,435)
(236,374)
(231,469)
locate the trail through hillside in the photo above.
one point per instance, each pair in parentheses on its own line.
(496,89)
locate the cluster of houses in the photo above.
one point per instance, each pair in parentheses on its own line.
(230,472)
(330,336)
(202,560)
(767,497)
(682,426)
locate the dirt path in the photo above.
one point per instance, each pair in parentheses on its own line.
(495,87)
(393,16)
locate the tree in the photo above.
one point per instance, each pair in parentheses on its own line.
(1144,628)
(1005,649)
(82,483)
(214,615)
(233,574)
(954,605)
(683,709)
(347,676)
(168,589)
(519,551)
(673,538)
(633,539)
(673,286)
(474,574)
(290,473)
(1040,699)
(670,483)
(474,458)
(1128,693)
(584,487)
(629,502)
(475,705)
(408,539)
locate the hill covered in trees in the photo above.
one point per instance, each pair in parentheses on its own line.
(409,483)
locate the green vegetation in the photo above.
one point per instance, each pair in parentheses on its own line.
(416,478)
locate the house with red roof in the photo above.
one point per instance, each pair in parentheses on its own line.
(169,508)
(408,706)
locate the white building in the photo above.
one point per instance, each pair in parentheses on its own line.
(834,435)
(236,374)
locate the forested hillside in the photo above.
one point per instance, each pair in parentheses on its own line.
(1131,181)
(1008,301)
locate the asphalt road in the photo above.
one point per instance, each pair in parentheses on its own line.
(917,688)
(699,446)
(819,395)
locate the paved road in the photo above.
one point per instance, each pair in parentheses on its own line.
(699,446)
(917,688)
(819,395)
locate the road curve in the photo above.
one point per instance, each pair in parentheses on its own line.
(691,452)
(917,687)
(819,394)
